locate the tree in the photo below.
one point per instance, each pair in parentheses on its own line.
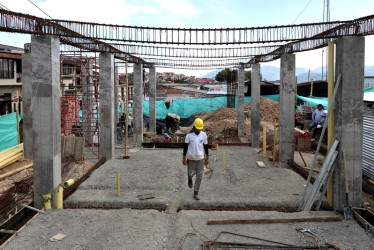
(227,75)
(247,75)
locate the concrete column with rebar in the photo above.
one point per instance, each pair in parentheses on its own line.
(26,98)
(350,54)
(152,99)
(46,117)
(255,104)
(88,91)
(287,109)
(240,109)
(138,105)
(106,106)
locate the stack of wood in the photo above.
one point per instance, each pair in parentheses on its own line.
(11,155)
(69,113)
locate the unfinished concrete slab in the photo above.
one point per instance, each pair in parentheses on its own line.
(241,184)
(151,229)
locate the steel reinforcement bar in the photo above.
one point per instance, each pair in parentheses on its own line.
(224,36)
(27,24)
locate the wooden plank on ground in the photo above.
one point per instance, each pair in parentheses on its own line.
(10,173)
(276,220)
(145,196)
(260,164)
(172,207)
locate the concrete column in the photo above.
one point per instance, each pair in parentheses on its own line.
(46,116)
(255,103)
(26,98)
(152,99)
(287,109)
(106,106)
(350,53)
(240,93)
(138,105)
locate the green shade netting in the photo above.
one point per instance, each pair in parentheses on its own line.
(187,107)
(8,131)
(315,100)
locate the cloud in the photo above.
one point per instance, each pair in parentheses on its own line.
(364,12)
(107,11)
(178,7)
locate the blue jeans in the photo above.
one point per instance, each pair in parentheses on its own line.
(312,125)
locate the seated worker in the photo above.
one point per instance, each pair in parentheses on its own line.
(297,117)
(316,117)
(172,122)
(320,125)
(167,138)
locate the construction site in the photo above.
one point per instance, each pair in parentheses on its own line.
(84,163)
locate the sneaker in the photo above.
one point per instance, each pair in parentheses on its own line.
(196,196)
(190,183)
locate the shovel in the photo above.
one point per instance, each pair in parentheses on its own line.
(348,214)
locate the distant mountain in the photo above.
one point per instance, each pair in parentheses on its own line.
(272,73)
(306,77)
(212,74)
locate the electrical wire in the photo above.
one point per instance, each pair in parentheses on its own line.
(40,9)
(301,12)
(3,6)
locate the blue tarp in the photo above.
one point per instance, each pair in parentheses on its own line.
(8,131)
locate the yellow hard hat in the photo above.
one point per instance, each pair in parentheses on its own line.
(130,113)
(169,114)
(198,123)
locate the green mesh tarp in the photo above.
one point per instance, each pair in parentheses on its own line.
(315,100)
(187,107)
(8,131)
(369,90)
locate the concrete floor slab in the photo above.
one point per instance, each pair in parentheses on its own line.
(241,184)
(151,229)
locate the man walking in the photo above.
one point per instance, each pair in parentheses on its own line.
(195,148)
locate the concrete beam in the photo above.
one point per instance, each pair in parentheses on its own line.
(26,98)
(107,106)
(152,99)
(240,94)
(287,109)
(255,103)
(138,105)
(350,54)
(46,116)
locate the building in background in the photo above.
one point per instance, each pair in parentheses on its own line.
(10,78)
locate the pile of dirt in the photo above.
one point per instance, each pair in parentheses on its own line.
(269,109)
(221,125)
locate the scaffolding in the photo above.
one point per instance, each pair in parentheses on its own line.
(79,81)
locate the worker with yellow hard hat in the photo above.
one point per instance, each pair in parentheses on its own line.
(195,155)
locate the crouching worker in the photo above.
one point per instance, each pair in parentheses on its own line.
(167,138)
(195,155)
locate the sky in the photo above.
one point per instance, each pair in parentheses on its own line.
(199,14)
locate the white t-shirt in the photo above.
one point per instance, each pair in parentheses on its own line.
(196,145)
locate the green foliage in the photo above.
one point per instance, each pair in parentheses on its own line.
(227,75)
(247,75)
